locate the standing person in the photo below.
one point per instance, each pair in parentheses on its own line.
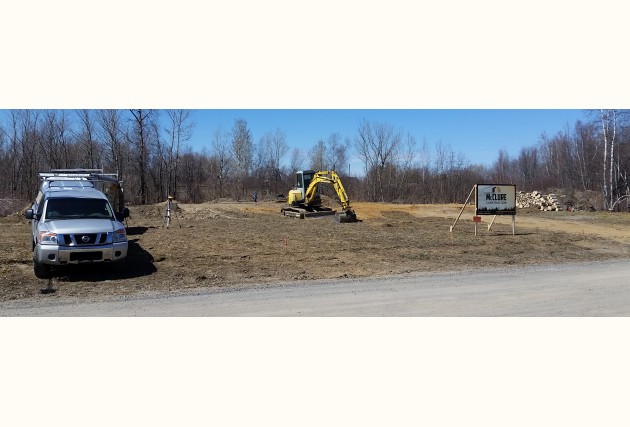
(255,196)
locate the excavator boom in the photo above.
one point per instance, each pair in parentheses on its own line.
(328,177)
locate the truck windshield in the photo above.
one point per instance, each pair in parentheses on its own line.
(78,208)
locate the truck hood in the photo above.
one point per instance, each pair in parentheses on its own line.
(74,226)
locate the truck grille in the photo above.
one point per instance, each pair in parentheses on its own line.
(87,239)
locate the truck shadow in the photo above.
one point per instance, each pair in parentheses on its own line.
(137,230)
(138,263)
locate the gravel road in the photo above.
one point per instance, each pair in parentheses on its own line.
(586,289)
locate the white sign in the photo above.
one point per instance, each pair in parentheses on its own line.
(496,199)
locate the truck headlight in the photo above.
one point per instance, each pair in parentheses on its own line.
(48,238)
(120,235)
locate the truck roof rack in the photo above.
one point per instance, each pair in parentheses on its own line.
(77,174)
(65,184)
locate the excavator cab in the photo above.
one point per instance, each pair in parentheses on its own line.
(303,180)
(305,177)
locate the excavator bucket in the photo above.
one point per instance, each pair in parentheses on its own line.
(346,216)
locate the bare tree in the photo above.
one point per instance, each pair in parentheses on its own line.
(159,163)
(221,149)
(501,166)
(616,188)
(586,152)
(296,161)
(424,159)
(406,162)
(317,156)
(528,166)
(376,145)
(337,152)
(5,161)
(243,151)
(54,142)
(278,149)
(112,135)
(14,153)
(271,149)
(180,131)
(26,135)
(194,166)
(87,141)
(142,119)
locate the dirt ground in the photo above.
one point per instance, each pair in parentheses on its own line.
(229,244)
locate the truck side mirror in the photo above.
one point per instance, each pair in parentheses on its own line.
(29,214)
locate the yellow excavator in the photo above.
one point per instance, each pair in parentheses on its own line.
(305,199)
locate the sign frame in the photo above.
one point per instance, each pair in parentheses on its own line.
(495,199)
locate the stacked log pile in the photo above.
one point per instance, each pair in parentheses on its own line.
(538,200)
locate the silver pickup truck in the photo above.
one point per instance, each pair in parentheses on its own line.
(73,222)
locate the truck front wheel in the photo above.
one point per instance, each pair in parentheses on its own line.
(42,271)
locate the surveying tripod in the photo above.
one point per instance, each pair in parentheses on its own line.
(169,208)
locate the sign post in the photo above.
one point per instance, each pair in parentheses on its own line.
(463,207)
(476,220)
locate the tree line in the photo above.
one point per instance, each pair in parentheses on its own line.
(150,152)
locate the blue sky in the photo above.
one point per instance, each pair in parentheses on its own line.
(479,134)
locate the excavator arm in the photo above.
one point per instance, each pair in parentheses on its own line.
(327,177)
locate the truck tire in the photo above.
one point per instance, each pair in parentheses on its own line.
(42,271)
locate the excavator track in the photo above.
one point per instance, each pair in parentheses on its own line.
(306,213)
(292,213)
(341,217)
